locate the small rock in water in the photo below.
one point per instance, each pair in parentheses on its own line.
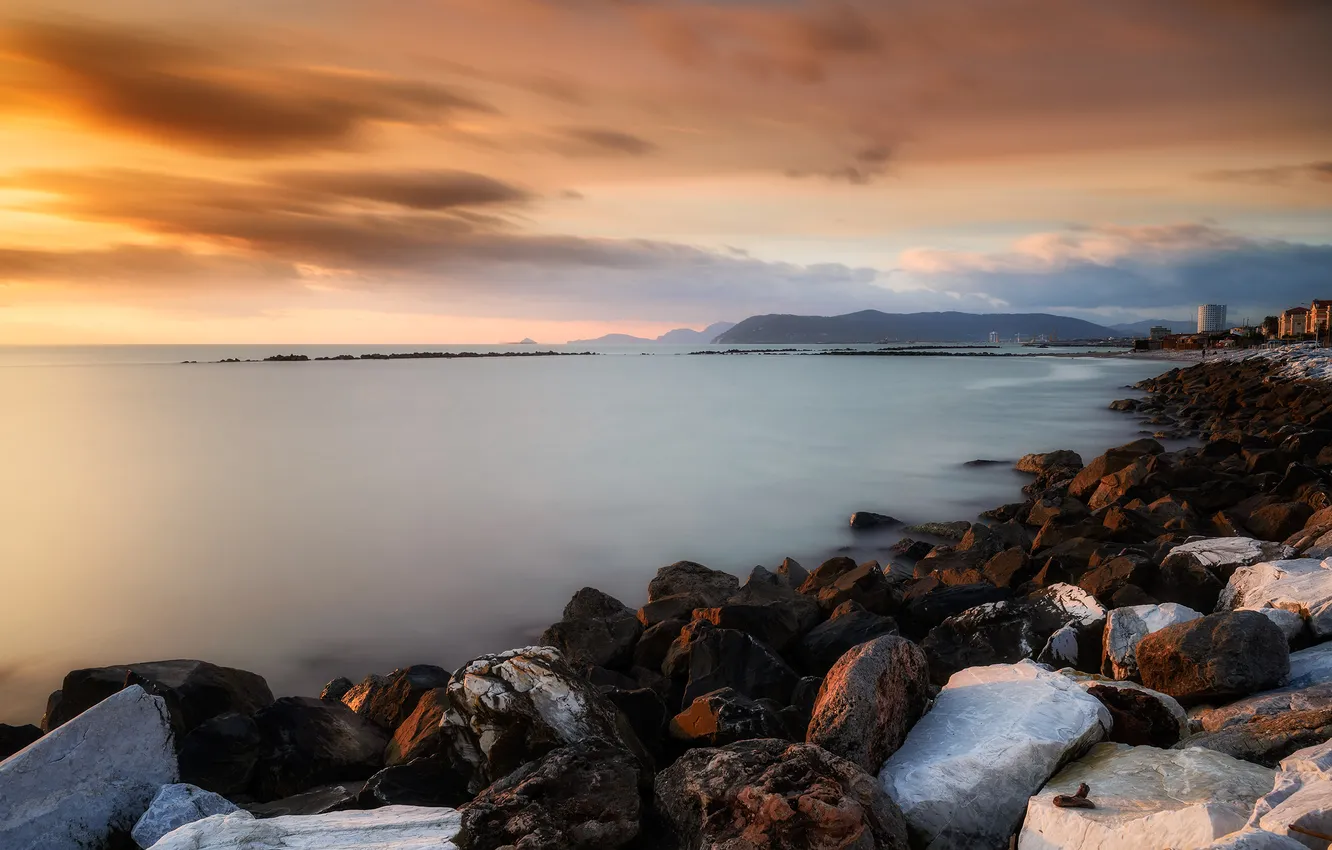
(868,519)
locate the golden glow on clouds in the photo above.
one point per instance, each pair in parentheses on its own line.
(253,171)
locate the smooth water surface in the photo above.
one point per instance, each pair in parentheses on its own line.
(308,520)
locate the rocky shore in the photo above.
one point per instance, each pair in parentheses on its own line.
(1136,653)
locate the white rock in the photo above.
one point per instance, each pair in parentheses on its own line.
(1254,839)
(1312,666)
(1304,816)
(1080,606)
(1305,774)
(995,734)
(1223,554)
(1302,585)
(1061,650)
(1126,627)
(1291,623)
(389,828)
(1147,799)
(93,776)
(173,807)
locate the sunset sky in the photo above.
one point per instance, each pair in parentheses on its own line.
(481,170)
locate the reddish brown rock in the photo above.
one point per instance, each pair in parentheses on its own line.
(1220,656)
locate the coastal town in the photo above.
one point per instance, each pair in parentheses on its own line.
(1297,325)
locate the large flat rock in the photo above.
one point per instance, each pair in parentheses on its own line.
(1300,801)
(1147,799)
(92,777)
(1302,586)
(994,736)
(389,828)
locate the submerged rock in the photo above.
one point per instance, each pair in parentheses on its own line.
(869,700)
(90,779)
(389,827)
(994,736)
(868,519)
(776,796)
(1145,798)
(173,807)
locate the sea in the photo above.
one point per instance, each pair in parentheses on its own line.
(310,520)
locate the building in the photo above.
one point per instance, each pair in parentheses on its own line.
(994,337)
(1159,332)
(1320,317)
(1294,323)
(1211,318)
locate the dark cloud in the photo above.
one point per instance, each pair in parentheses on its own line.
(866,165)
(1277,175)
(585,141)
(145,266)
(422,190)
(175,91)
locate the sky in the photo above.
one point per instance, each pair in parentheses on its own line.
(310,171)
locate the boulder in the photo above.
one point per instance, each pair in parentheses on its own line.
(508,709)
(776,625)
(678,607)
(724,717)
(1126,627)
(651,649)
(1087,480)
(1302,586)
(390,827)
(869,700)
(709,658)
(864,583)
(825,574)
(910,550)
(15,738)
(762,588)
(1142,716)
(861,520)
(713,587)
(1037,464)
(422,782)
(1263,705)
(777,796)
(219,755)
(1145,798)
(1254,839)
(1009,568)
(1268,740)
(336,689)
(1014,629)
(91,779)
(1224,555)
(945,530)
(582,796)
(418,736)
(925,611)
(792,573)
(1300,802)
(1291,623)
(1279,521)
(1232,654)
(387,701)
(173,807)
(849,625)
(306,742)
(992,739)
(194,690)
(596,630)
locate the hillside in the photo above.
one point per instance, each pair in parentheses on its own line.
(679,336)
(872,326)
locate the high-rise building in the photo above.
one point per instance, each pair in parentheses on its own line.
(1294,323)
(1211,318)
(994,337)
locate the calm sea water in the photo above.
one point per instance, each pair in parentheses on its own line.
(319,519)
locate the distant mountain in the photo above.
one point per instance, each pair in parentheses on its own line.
(872,326)
(1143,328)
(679,336)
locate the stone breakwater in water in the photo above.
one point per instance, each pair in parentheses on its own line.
(1137,653)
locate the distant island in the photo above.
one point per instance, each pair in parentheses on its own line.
(873,326)
(679,336)
(527,340)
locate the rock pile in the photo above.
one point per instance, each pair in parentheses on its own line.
(945,698)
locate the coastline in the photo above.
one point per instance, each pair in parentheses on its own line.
(709,665)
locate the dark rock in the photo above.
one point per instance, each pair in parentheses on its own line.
(597,630)
(582,796)
(910,550)
(336,797)
(646,713)
(678,607)
(511,708)
(1279,521)
(418,735)
(1060,507)
(1184,579)
(1140,719)
(194,690)
(306,742)
(777,796)
(826,573)
(924,612)
(849,625)
(1012,512)
(775,625)
(792,572)
(387,701)
(724,717)
(765,589)
(1037,464)
(1129,595)
(1105,580)
(335,690)
(1088,480)
(865,584)
(869,700)
(420,782)
(656,641)
(15,738)
(710,659)
(945,530)
(219,754)
(1267,740)
(1009,568)
(861,520)
(1232,654)
(713,586)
